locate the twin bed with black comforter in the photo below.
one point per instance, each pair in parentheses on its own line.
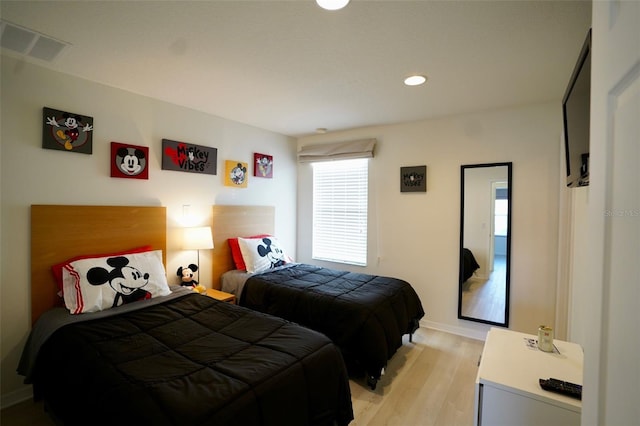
(365,315)
(469,264)
(187,360)
(126,349)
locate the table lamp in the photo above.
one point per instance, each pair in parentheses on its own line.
(198,238)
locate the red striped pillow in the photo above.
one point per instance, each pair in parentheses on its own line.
(57,269)
(96,284)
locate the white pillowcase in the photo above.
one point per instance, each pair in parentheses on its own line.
(260,254)
(95,284)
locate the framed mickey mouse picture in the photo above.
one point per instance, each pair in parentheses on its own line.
(67,131)
(262,165)
(129,161)
(413,179)
(235,174)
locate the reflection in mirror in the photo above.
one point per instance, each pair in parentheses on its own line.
(485,243)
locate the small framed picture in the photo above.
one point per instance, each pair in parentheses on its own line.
(129,161)
(262,165)
(413,179)
(236,174)
(67,131)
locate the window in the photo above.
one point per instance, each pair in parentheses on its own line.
(340,192)
(501,210)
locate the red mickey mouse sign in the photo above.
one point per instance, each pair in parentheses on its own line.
(129,161)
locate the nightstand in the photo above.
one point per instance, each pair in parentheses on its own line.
(508,391)
(221,295)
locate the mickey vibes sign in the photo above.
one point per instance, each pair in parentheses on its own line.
(186,157)
(413,179)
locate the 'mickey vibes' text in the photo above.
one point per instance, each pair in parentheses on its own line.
(188,157)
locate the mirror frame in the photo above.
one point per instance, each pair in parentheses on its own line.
(509,166)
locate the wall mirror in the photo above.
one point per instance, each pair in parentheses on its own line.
(485,243)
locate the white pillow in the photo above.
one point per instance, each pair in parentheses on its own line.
(260,254)
(95,284)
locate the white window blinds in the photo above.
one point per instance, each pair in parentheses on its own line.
(340,192)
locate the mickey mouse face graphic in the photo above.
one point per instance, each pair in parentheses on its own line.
(126,281)
(238,174)
(71,122)
(272,252)
(131,161)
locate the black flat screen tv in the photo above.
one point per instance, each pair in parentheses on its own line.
(576,110)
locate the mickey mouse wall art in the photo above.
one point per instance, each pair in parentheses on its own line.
(413,179)
(235,174)
(67,131)
(188,157)
(262,165)
(129,161)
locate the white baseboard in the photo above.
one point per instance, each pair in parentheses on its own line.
(15,397)
(478,334)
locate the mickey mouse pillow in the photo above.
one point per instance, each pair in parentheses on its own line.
(96,284)
(260,254)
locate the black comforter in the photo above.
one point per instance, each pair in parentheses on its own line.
(469,264)
(365,315)
(192,361)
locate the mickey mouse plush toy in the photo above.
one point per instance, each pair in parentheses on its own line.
(186,275)
(186,278)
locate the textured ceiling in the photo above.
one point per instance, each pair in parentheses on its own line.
(291,67)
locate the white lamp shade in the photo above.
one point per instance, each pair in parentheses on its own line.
(197,238)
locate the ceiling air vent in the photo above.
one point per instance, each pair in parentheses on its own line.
(30,43)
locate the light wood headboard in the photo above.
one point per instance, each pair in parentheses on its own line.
(236,221)
(60,232)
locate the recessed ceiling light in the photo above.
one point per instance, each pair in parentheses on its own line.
(332,4)
(415,80)
(321,130)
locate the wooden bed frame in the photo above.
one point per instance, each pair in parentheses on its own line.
(236,221)
(60,232)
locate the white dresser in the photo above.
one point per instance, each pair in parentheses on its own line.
(507,389)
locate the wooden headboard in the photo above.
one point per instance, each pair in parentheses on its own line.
(236,221)
(60,232)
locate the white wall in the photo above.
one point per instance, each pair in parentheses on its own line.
(608,324)
(415,236)
(32,175)
(579,275)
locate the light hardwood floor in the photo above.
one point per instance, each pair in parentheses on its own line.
(427,382)
(486,299)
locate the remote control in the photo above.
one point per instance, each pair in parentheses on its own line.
(559,386)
